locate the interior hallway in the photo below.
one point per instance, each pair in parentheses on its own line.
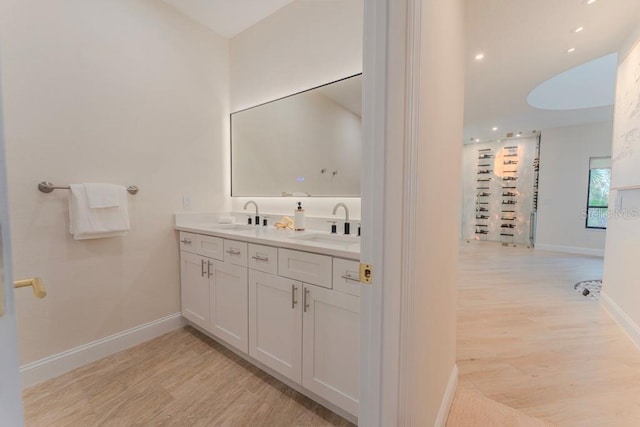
(526,339)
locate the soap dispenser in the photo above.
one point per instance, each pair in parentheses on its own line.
(299,218)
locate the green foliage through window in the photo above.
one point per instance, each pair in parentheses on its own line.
(598,203)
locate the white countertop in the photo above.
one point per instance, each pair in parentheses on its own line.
(315,241)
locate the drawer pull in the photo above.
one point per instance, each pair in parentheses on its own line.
(349,277)
(304,299)
(202,264)
(186,241)
(293,296)
(232,252)
(259,258)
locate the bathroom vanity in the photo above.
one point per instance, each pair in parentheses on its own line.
(286,301)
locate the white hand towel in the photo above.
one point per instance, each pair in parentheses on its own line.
(103,195)
(92,223)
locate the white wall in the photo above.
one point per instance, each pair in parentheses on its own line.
(303,45)
(564,181)
(621,293)
(439,160)
(120,91)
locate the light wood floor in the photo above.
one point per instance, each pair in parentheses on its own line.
(527,340)
(180,379)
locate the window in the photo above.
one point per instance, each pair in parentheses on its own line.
(598,197)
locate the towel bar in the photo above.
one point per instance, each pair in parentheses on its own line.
(48,187)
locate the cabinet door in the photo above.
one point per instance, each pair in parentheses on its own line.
(229,304)
(275,323)
(194,289)
(331,346)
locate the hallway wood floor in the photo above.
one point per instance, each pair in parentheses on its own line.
(527,340)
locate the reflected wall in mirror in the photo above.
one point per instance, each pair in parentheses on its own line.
(307,144)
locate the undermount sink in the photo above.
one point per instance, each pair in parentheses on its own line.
(327,238)
(235,227)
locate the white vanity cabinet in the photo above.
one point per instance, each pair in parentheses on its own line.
(228,304)
(275,323)
(331,346)
(194,289)
(214,293)
(293,311)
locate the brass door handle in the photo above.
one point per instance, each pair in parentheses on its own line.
(35,283)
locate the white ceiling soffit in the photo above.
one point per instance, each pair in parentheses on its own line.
(592,84)
(525,43)
(228,17)
(347,93)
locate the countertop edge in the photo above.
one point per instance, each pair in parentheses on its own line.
(284,242)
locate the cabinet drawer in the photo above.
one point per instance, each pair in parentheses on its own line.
(209,246)
(263,258)
(346,275)
(188,242)
(235,252)
(306,267)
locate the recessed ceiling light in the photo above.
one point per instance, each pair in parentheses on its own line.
(495,128)
(477,139)
(571,50)
(479,56)
(577,29)
(588,2)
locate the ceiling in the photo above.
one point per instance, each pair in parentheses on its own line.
(228,17)
(524,43)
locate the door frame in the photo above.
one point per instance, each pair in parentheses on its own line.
(391,79)
(11,411)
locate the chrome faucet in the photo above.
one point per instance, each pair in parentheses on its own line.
(347,226)
(251,202)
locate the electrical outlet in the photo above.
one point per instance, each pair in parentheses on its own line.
(186,203)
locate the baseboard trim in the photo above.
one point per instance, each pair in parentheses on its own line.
(621,318)
(570,250)
(41,370)
(447,400)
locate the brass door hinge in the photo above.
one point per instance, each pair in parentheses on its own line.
(366,273)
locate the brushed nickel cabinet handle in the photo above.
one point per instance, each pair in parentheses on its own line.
(209,264)
(259,258)
(304,299)
(186,241)
(202,264)
(232,252)
(349,277)
(293,296)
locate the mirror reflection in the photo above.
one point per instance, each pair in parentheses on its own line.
(307,144)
